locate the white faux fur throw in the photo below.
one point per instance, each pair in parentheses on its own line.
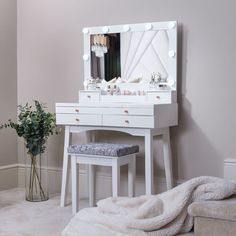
(164,214)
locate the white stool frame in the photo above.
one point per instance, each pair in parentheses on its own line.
(114,162)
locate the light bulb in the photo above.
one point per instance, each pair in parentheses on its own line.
(105,29)
(126,28)
(85,57)
(148,26)
(85,30)
(171,53)
(172,25)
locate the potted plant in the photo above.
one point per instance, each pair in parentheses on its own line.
(35,125)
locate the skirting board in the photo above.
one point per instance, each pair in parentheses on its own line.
(230,169)
(103,183)
(8,176)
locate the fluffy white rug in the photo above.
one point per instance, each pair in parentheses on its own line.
(164,214)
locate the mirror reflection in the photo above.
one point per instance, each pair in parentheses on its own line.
(105,56)
(130,56)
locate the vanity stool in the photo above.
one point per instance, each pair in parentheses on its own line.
(102,154)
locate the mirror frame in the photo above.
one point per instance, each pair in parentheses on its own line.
(169,26)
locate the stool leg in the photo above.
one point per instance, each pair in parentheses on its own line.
(115,178)
(167,159)
(91,185)
(132,176)
(74,181)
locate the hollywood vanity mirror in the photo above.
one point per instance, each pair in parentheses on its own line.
(129,86)
(132,60)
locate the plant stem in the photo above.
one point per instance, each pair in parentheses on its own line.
(34,179)
(39,182)
(30,184)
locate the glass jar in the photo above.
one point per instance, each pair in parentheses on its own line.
(36,176)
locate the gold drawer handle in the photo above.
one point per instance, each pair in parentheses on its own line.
(126,121)
(77,119)
(77,110)
(126,111)
(158,97)
(89,96)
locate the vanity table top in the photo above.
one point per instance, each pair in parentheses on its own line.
(110,104)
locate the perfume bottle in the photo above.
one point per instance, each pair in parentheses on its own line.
(152,83)
(109,90)
(116,90)
(158,80)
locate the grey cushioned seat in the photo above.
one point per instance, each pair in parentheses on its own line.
(103,149)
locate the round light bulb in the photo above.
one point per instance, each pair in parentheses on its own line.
(148,26)
(85,30)
(126,28)
(171,53)
(172,25)
(85,57)
(171,82)
(105,29)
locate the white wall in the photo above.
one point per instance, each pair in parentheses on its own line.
(8,93)
(50,68)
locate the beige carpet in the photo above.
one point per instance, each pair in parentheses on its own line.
(21,218)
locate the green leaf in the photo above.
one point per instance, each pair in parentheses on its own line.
(35,125)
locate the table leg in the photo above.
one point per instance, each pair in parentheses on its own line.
(65,167)
(149,163)
(91,137)
(167,159)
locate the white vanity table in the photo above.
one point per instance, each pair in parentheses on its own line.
(138,105)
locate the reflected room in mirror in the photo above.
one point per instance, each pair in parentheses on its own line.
(134,58)
(105,56)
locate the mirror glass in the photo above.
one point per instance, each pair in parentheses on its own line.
(129,56)
(105,56)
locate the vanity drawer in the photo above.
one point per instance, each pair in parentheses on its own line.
(128,121)
(129,111)
(67,109)
(78,110)
(89,96)
(161,97)
(78,119)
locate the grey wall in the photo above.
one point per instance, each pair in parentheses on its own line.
(50,68)
(8,91)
